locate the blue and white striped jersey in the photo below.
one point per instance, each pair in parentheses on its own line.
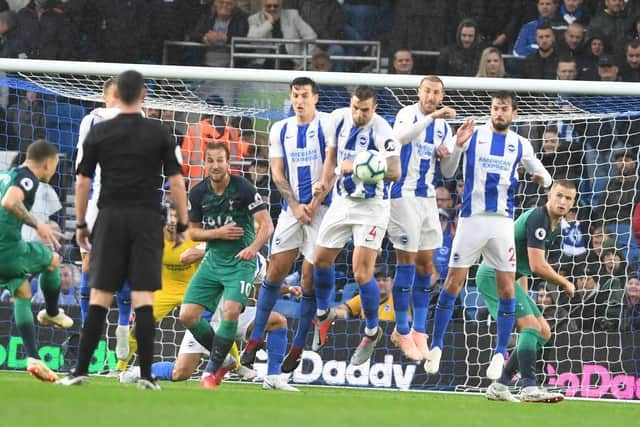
(350,140)
(88,122)
(490,171)
(418,159)
(303,148)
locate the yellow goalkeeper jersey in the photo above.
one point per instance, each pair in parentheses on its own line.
(174,273)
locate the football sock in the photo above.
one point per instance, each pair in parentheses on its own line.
(276,348)
(202,332)
(527,350)
(307,311)
(24,322)
(50,283)
(443,314)
(221,344)
(145,334)
(370,296)
(421,294)
(85,292)
(323,281)
(91,334)
(269,293)
(505,322)
(163,370)
(123,297)
(510,369)
(401,292)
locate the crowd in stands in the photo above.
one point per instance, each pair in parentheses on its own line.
(548,39)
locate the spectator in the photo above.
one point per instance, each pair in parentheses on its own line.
(26,120)
(443,253)
(607,69)
(571,42)
(572,12)
(328,20)
(462,57)
(169,20)
(330,97)
(216,30)
(631,309)
(497,20)
(10,41)
(209,129)
(124,31)
(423,25)
(600,240)
(353,307)
(613,22)
(68,289)
(583,303)
(258,174)
(443,197)
(556,315)
(491,63)
(617,201)
(273,23)
(595,47)
(402,62)
(630,70)
(610,291)
(634,32)
(527,43)
(557,157)
(45,31)
(543,63)
(573,236)
(566,68)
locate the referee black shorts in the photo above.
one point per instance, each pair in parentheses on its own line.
(127,245)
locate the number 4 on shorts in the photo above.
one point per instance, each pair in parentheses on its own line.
(371,235)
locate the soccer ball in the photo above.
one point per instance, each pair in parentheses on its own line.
(369,166)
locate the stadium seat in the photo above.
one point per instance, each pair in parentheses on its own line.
(349,291)
(471,301)
(288,308)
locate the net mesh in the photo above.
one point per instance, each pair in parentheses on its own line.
(591,140)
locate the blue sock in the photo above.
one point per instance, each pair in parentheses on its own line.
(401,290)
(505,322)
(370,296)
(269,294)
(323,280)
(123,297)
(421,294)
(276,348)
(307,312)
(162,370)
(84,295)
(444,311)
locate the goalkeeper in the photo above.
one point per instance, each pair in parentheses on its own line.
(535,229)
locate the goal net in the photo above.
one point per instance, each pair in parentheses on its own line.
(585,132)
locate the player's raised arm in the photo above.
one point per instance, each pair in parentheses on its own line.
(534,166)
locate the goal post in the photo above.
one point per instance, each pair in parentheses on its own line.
(585,131)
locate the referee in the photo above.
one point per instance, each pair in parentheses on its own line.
(133,153)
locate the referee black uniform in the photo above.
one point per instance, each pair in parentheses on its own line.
(127,239)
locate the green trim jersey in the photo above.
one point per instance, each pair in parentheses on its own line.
(25,180)
(532,230)
(236,204)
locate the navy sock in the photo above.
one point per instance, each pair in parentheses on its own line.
(123,297)
(510,369)
(505,322)
(276,348)
(307,312)
(219,350)
(401,292)
(421,294)
(50,282)
(443,314)
(145,334)
(91,334)
(323,280)
(84,295)
(163,370)
(370,297)
(269,294)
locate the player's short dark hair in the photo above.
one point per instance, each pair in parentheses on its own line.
(363,93)
(219,146)
(130,86)
(304,81)
(41,150)
(432,78)
(566,183)
(111,81)
(505,95)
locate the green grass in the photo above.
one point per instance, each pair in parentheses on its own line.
(27,402)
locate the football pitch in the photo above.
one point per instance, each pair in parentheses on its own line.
(104,402)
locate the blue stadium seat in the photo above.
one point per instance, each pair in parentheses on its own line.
(471,301)
(288,307)
(349,291)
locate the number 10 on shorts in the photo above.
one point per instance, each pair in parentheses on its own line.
(246,288)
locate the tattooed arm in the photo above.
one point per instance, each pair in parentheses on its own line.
(283,186)
(13,202)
